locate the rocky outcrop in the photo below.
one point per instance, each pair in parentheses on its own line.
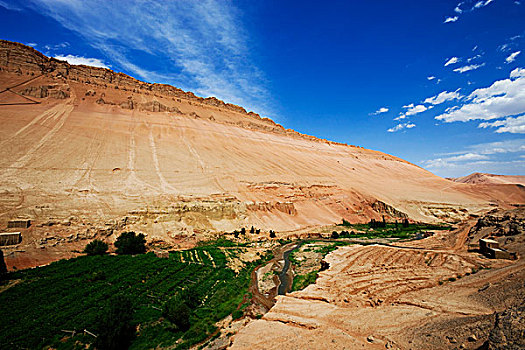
(16,57)
(156,106)
(508,331)
(44,91)
(285,207)
(383,208)
(500,225)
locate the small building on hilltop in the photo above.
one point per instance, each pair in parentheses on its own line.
(10,238)
(491,249)
(486,243)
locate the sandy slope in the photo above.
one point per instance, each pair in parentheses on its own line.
(100,153)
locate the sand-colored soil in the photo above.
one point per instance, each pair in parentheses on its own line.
(421,295)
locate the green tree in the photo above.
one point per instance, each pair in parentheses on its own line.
(114,327)
(131,243)
(346,223)
(96,247)
(177,312)
(3,266)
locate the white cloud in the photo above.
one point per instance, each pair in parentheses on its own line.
(452,61)
(468,68)
(431,77)
(71,59)
(480,4)
(458,9)
(454,169)
(504,98)
(412,110)
(467,156)
(380,111)
(473,58)
(195,45)
(511,125)
(451,19)
(443,97)
(401,127)
(504,47)
(506,158)
(512,57)
(507,146)
(401,117)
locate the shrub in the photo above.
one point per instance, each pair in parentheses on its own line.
(177,312)
(272,234)
(96,247)
(131,243)
(335,235)
(114,327)
(237,314)
(346,223)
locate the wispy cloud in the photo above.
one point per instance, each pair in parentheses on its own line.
(402,126)
(451,19)
(504,98)
(468,68)
(71,59)
(508,146)
(511,125)
(460,9)
(431,77)
(380,111)
(512,57)
(9,6)
(493,157)
(451,61)
(443,97)
(198,46)
(481,4)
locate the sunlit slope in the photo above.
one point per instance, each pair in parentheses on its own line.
(175,162)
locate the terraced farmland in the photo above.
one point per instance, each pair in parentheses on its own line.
(68,295)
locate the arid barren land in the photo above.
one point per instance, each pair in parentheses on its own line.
(433,293)
(88,153)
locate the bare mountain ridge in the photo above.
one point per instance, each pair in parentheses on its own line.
(483,178)
(87,152)
(16,57)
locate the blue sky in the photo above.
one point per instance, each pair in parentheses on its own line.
(439,83)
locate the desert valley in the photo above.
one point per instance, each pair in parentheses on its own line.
(284,240)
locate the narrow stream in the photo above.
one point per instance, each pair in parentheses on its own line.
(286,281)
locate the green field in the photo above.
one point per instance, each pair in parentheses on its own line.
(69,294)
(391,230)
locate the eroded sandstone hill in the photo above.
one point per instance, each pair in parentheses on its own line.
(482,178)
(87,151)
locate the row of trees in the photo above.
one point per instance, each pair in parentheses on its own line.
(126,243)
